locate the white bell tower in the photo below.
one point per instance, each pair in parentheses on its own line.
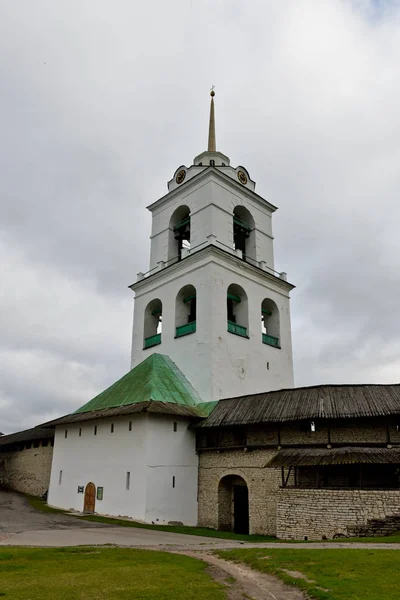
(211,299)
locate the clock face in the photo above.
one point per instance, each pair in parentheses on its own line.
(242,177)
(180,176)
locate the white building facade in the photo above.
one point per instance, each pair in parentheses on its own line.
(211,321)
(145,466)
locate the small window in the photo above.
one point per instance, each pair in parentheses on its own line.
(130,425)
(45,443)
(80,431)
(212,163)
(312,426)
(173,481)
(128,480)
(175,426)
(95,430)
(60,478)
(28,446)
(66,433)
(36,443)
(112,427)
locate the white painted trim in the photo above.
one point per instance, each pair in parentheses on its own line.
(213,171)
(207,255)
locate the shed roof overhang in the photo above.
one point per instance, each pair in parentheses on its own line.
(307,457)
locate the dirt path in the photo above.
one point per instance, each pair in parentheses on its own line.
(242,582)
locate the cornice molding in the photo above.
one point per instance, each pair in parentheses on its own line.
(209,172)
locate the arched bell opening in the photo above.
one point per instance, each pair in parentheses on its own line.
(152,324)
(237,310)
(270,329)
(179,234)
(233,504)
(185,311)
(244,238)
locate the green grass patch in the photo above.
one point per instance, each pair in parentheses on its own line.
(394,538)
(337,574)
(104,574)
(40,504)
(185,529)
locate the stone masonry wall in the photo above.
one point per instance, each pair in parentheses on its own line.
(263,485)
(320,513)
(27,470)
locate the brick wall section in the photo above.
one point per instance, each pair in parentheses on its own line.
(318,513)
(263,485)
(27,470)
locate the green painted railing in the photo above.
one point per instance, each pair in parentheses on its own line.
(270,340)
(185,329)
(153,340)
(237,329)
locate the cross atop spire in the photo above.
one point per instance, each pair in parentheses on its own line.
(211,130)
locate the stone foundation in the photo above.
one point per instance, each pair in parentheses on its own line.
(318,514)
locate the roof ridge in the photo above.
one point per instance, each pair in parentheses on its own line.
(311,387)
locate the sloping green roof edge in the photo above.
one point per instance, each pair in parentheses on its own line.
(156,378)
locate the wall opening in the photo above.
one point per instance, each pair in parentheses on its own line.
(179,234)
(244,236)
(270,323)
(185,311)
(237,310)
(233,504)
(152,324)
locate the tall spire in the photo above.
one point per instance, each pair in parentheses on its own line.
(211,131)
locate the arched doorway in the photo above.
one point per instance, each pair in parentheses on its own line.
(90,497)
(233,504)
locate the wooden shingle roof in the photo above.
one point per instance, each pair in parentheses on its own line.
(306,457)
(316,402)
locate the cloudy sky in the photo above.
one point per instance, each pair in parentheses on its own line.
(100,102)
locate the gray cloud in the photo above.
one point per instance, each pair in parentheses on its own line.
(100,104)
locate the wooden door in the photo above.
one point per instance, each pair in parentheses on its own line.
(90,497)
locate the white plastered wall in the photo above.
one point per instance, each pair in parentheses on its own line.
(152,452)
(218,363)
(211,200)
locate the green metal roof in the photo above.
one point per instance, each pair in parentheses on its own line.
(156,378)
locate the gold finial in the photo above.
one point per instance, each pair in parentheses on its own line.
(212,147)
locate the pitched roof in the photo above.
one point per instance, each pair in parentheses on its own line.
(37,433)
(316,402)
(156,378)
(296,457)
(152,406)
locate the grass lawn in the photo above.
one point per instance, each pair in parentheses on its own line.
(332,574)
(104,574)
(40,504)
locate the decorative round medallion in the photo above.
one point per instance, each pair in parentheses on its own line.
(241,175)
(180,176)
